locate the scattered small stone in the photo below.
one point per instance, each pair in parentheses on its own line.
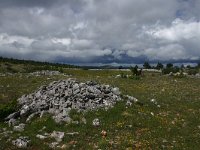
(118,76)
(174,141)
(19,128)
(116,91)
(13,116)
(152,113)
(154,101)
(96,122)
(64,146)
(184,124)
(53,144)
(131,98)
(75,122)
(42,137)
(129,103)
(31,116)
(72,133)
(84,121)
(163,146)
(129,126)
(42,113)
(45,73)
(12,122)
(43,128)
(7,133)
(165,141)
(21,142)
(58,135)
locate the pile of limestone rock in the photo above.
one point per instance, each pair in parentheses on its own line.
(59,97)
(45,73)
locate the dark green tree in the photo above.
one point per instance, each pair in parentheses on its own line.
(120,67)
(189,67)
(135,71)
(159,66)
(198,65)
(169,65)
(146,65)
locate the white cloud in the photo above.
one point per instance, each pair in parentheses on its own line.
(8,39)
(180,40)
(46,45)
(64,41)
(82,44)
(168,52)
(179,30)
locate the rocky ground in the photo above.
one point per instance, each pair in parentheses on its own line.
(165,117)
(58,99)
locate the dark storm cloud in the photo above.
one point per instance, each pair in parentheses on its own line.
(35,3)
(27,3)
(101,31)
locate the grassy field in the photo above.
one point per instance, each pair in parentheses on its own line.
(172,123)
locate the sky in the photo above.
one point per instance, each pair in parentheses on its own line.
(100,31)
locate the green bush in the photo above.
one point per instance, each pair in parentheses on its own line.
(11,70)
(193,71)
(170,69)
(159,66)
(135,77)
(135,72)
(146,65)
(6,109)
(123,75)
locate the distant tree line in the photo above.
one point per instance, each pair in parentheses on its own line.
(32,62)
(170,68)
(9,65)
(166,69)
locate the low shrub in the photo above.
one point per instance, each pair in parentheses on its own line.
(193,71)
(135,71)
(123,75)
(6,109)
(170,69)
(135,77)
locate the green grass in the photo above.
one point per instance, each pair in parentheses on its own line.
(12,87)
(172,126)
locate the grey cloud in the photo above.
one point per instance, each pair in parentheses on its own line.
(33,3)
(100,30)
(47,45)
(179,40)
(18,45)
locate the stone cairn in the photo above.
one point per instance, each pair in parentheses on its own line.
(59,97)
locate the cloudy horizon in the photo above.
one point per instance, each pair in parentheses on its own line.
(100,31)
